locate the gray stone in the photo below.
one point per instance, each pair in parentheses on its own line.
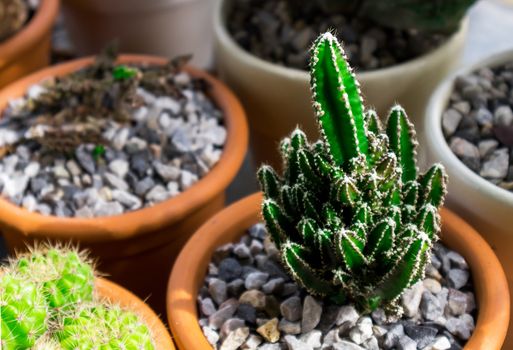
(483,116)
(231,325)
(235,287)
(464,149)
(269,346)
(107,208)
(187,179)
(252,342)
(371,344)
(294,344)
(142,187)
(167,172)
(274,285)
(32,169)
(411,299)
(457,278)
(120,138)
(422,335)
(440,343)
(207,307)
(247,312)
(430,307)
(85,159)
(127,199)
(235,339)
(291,309)
(116,182)
(157,194)
(462,327)
(450,120)
(211,335)
(393,335)
(242,251)
(486,147)
(406,343)
(346,345)
(503,116)
(312,338)
(218,290)
(255,280)
(312,311)
(119,167)
(362,331)
(432,285)
(230,269)
(288,327)
(347,315)
(496,166)
(457,302)
(253,297)
(226,311)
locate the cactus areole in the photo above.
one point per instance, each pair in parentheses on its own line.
(351,217)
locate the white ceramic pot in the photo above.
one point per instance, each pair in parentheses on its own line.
(159,27)
(484,205)
(278,98)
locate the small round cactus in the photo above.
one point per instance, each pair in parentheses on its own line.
(65,275)
(23,312)
(104,327)
(47,302)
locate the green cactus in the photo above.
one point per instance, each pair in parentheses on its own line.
(65,276)
(351,218)
(433,15)
(23,312)
(104,327)
(47,302)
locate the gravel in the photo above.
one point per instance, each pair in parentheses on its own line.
(478,123)
(244,304)
(145,163)
(273,31)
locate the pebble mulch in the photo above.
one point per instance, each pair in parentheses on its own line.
(270,30)
(478,123)
(249,302)
(169,144)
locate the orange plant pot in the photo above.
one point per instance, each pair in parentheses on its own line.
(136,249)
(29,49)
(116,294)
(229,225)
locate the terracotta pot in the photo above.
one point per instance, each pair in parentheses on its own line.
(114,293)
(159,27)
(484,205)
(29,49)
(280,96)
(137,249)
(230,224)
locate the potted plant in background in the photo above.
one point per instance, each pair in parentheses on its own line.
(352,223)
(125,158)
(262,54)
(159,27)
(51,298)
(469,129)
(25,32)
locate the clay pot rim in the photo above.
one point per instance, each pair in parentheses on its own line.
(31,33)
(491,287)
(436,140)
(127,300)
(226,39)
(147,219)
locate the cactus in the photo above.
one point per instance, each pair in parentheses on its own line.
(352,219)
(23,312)
(65,276)
(104,327)
(47,302)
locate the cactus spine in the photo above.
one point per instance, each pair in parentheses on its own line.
(351,217)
